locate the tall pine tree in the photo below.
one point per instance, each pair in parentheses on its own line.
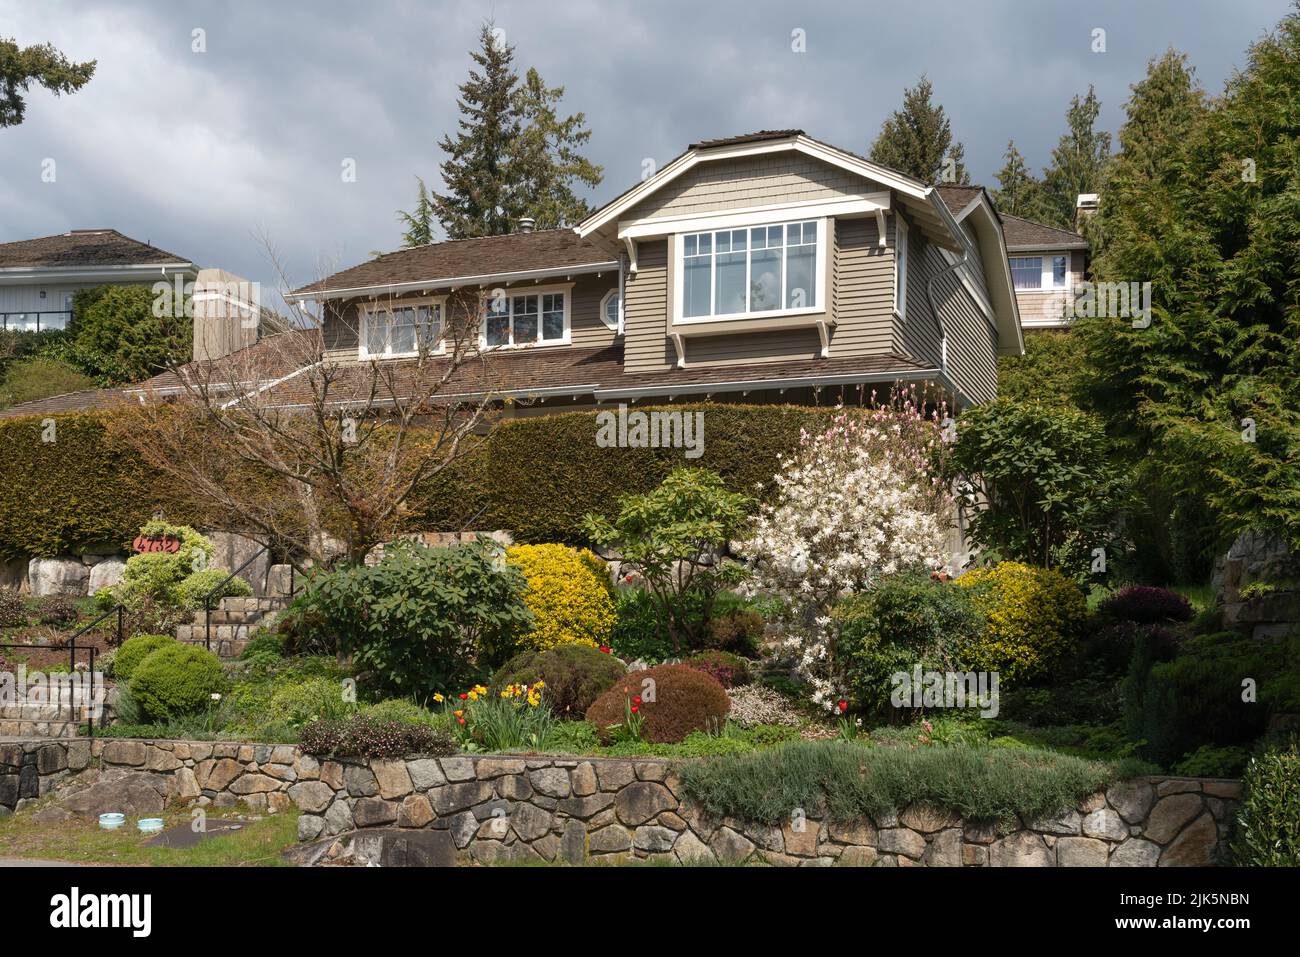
(514,155)
(1078,162)
(1019,192)
(917,140)
(20,67)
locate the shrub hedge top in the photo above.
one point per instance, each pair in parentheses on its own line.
(671,701)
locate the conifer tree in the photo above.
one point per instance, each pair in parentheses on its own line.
(917,140)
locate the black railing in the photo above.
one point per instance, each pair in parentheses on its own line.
(88,701)
(216,592)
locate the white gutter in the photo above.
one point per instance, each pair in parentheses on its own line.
(453,281)
(14,275)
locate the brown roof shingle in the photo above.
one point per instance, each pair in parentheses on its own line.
(83,247)
(1024,233)
(466,259)
(84,401)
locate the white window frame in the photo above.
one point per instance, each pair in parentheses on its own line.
(564,289)
(1046,274)
(604,307)
(370,309)
(900,265)
(679,272)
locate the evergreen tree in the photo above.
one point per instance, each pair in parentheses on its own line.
(1078,162)
(478,197)
(545,160)
(1019,192)
(20,67)
(917,140)
(419,221)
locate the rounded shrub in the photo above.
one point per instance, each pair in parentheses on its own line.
(671,702)
(572,676)
(730,670)
(194,587)
(906,620)
(175,681)
(738,630)
(1146,605)
(1268,822)
(135,650)
(1034,616)
(570,602)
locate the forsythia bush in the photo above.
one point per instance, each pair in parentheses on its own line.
(1034,616)
(570,602)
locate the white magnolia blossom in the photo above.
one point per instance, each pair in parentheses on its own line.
(856,502)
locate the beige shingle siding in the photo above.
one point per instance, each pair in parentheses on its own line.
(972,342)
(646,311)
(864,289)
(761,181)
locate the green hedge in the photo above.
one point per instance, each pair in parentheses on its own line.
(539,476)
(535,476)
(79,493)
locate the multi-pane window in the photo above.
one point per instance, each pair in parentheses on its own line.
(398,330)
(1039,272)
(737,272)
(524,320)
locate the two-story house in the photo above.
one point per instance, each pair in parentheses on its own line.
(767,267)
(39,277)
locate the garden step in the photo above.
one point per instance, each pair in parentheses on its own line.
(223,647)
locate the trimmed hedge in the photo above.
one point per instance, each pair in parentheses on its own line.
(535,476)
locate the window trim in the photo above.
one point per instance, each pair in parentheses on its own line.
(1046,273)
(604,305)
(367,309)
(901,236)
(679,273)
(564,289)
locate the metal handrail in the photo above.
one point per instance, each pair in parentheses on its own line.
(72,648)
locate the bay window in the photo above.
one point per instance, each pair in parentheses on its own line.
(734,273)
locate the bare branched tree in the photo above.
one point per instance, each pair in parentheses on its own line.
(303,445)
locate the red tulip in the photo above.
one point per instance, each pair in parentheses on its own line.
(635,709)
(843,706)
(636,700)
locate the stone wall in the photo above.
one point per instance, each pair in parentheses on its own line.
(1266,562)
(487,808)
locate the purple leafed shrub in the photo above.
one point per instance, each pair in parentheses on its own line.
(362,737)
(1146,605)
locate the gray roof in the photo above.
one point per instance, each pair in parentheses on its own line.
(84,248)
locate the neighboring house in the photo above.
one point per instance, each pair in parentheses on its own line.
(1047,264)
(39,277)
(770,267)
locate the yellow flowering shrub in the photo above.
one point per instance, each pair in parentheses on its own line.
(1034,617)
(570,601)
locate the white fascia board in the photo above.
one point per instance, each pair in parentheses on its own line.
(1006,284)
(29,275)
(422,285)
(862,204)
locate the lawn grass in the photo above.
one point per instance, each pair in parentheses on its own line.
(81,841)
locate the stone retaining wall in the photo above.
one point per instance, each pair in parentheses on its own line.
(487,808)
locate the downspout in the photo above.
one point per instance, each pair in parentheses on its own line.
(938,322)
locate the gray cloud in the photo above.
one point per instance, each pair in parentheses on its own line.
(202,152)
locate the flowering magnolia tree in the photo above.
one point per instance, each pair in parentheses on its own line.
(861,499)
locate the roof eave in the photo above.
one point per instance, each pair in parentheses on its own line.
(451,282)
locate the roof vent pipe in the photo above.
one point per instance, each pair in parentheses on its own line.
(526,224)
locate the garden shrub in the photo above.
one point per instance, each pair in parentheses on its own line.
(360,736)
(1209,761)
(737,629)
(674,701)
(905,620)
(191,591)
(637,635)
(176,680)
(845,781)
(400,711)
(13,609)
(730,671)
(135,650)
(422,620)
(573,676)
(1146,605)
(1268,820)
(569,600)
(285,702)
(1195,698)
(674,537)
(1034,619)
(265,645)
(58,610)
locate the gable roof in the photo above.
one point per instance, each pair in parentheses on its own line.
(1024,233)
(957,197)
(462,261)
(82,248)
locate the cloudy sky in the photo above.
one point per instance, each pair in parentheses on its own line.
(203,152)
